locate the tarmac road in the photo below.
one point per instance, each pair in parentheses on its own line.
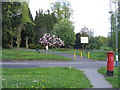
(89,67)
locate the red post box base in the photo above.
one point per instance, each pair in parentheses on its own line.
(110,73)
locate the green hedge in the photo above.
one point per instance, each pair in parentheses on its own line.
(6,46)
(32,46)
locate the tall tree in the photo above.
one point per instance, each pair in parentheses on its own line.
(62,10)
(77,42)
(24,10)
(65,30)
(28,32)
(50,20)
(11,18)
(94,42)
(44,22)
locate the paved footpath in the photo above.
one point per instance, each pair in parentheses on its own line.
(89,67)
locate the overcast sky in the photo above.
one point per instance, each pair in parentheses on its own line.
(90,13)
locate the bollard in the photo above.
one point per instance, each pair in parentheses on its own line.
(88,55)
(81,55)
(110,63)
(74,55)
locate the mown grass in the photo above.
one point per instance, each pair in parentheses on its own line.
(100,55)
(47,77)
(13,54)
(65,50)
(97,55)
(114,81)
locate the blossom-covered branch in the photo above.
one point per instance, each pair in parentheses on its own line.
(50,40)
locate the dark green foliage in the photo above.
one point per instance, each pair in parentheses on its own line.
(40,46)
(6,46)
(11,18)
(44,23)
(14,16)
(28,29)
(65,30)
(28,33)
(32,46)
(94,42)
(78,43)
(30,15)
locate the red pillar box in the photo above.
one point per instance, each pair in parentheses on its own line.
(110,63)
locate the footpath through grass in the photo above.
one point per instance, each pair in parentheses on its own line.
(115,80)
(47,77)
(13,54)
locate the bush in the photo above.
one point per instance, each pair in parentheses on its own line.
(40,46)
(60,49)
(32,46)
(6,46)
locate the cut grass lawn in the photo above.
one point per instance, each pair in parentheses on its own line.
(113,80)
(47,77)
(100,55)
(97,55)
(13,54)
(65,50)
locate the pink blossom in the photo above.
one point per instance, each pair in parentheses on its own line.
(51,40)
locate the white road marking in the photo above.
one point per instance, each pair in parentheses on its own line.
(13,63)
(65,63)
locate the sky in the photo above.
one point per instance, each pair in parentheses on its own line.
(93,14)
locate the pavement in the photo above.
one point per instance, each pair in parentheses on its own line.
(89,67)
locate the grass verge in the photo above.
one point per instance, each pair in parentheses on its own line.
(47,77)
(113,80)
(13,54)
(97,55)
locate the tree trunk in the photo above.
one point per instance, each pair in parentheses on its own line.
(26,42)
(11,42)
(19,35)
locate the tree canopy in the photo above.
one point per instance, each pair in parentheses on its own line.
(65,30)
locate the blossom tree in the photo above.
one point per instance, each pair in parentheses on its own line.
(50,40)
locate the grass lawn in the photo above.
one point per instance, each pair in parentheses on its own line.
(65,50)
(113,80)
(47,77)
(13,54)
(96,55)
(100,55)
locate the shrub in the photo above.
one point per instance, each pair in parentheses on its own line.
(40,46)
(6,46)
(32,46)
